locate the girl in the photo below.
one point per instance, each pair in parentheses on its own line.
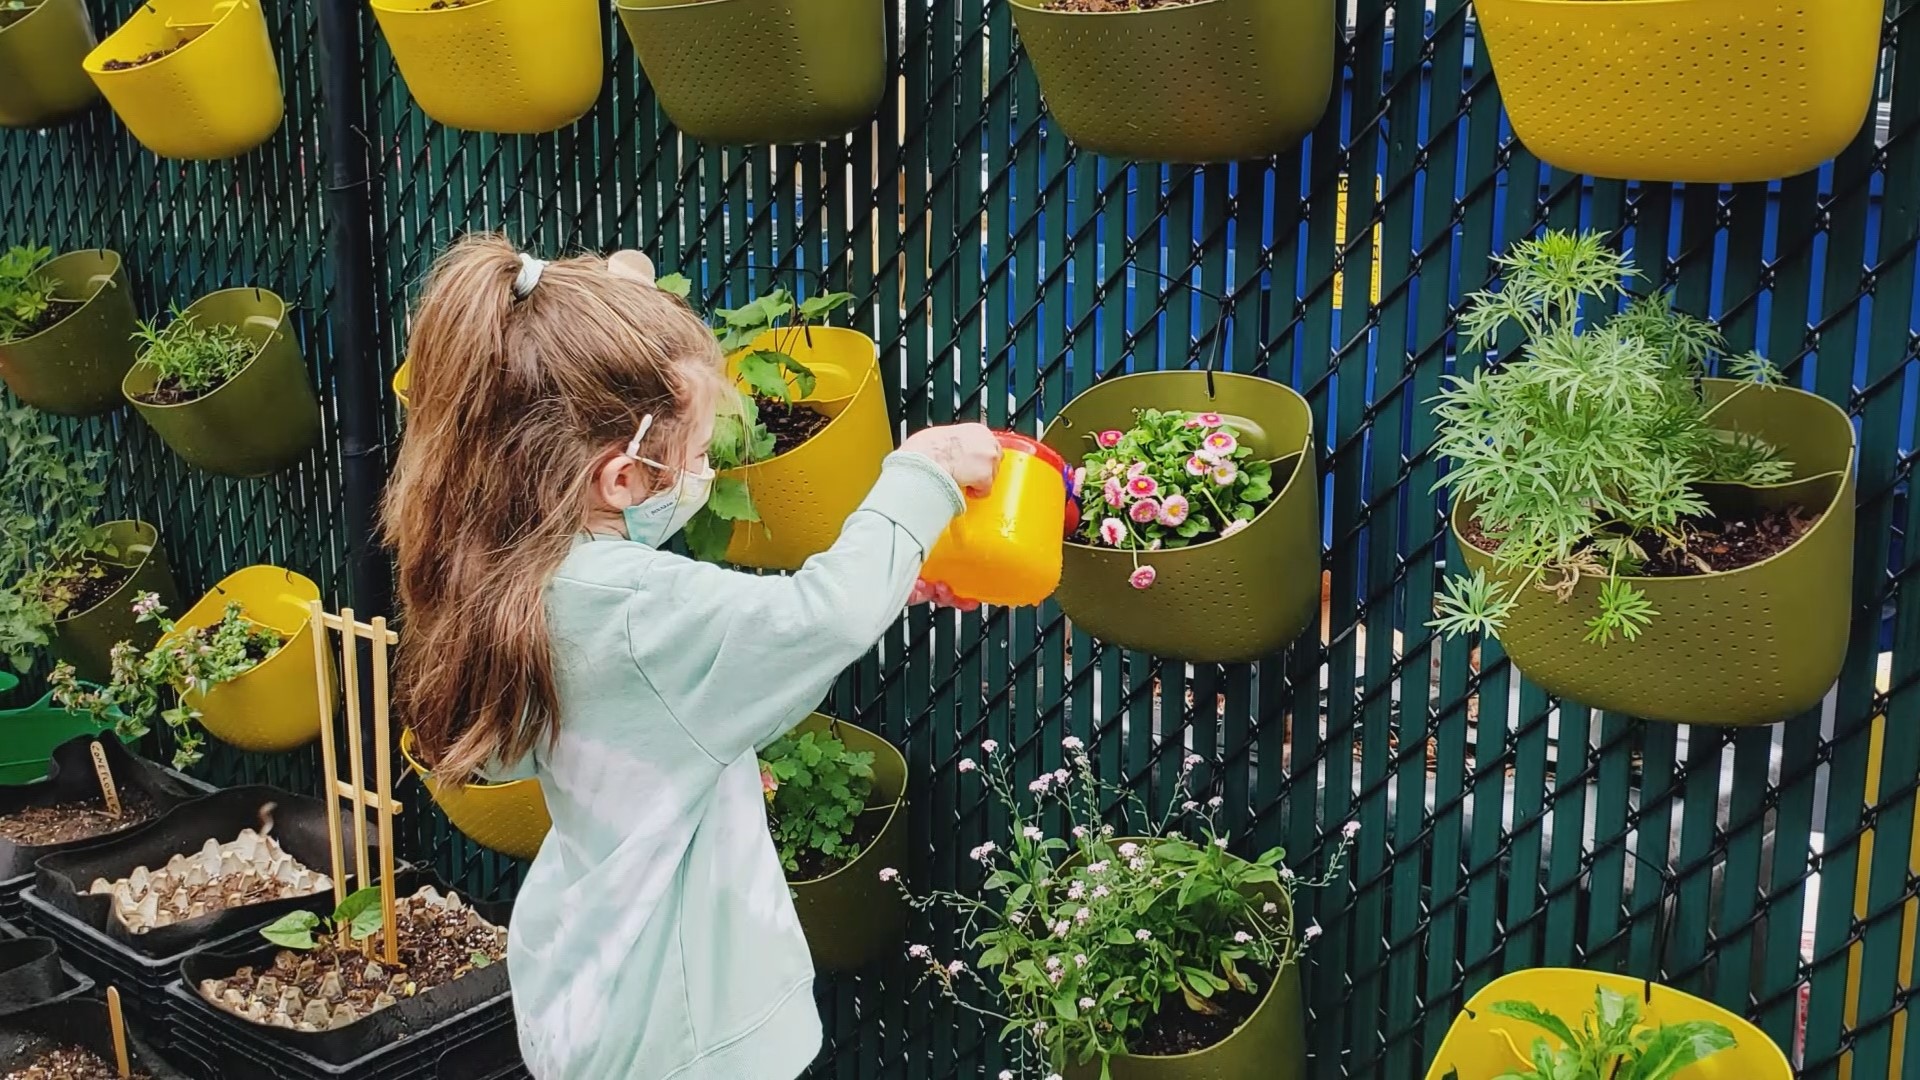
(557,441)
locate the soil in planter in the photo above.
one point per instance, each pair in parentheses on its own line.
(1100,7)
(1176,1029)
(39,826)
(251,869)
(56,313)
(140,61)
(446,5)
(789,424)
(441,939)
(70,1063)
(95,582)
(1718,544)
(168,391)
(814,866)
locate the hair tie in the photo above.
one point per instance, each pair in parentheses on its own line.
(528,277)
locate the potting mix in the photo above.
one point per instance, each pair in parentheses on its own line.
(251,869)
(71,1063)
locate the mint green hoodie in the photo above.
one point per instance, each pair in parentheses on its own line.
(655,937)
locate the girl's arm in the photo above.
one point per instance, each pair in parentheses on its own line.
(740,658)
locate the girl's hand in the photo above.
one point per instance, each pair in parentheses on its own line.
(930,592)
(969,452)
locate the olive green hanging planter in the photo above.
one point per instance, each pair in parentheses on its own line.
(41,53)
(1239,598)
(1749,646)
(748,72)
(1218,80)
(74,367)
(86,639)
(850,916)
(258,422)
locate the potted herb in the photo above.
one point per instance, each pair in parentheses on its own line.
(192,80)
(1640,537)
(67,583)
(510,66)
(42,43)
(224,385)
(1212,551)
(507,815)
(1701,91)
(65,326)
(1599,1026)
(1181,80)
(806,441)
(750,72)
(836,805)
(1126,958)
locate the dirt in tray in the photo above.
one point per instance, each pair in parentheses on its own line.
(441,939)
(814,866)
(1176,1029)
(37,826)
(1714,544)
(57,310)
(71,1063)
(790,424)
(140,61)
(1100,7)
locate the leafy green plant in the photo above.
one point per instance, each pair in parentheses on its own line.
(1585,456)
(816,790)
(190,360)
(1172,480)
(357,918)
(773,375)
(1611,1043)
(25,292)
(1089,936)
(50,548)
(196,659)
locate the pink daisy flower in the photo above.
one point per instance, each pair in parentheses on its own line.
(1143,487)
(1115,493)
(1193,422)
(1079,480)
(1144,511)
(1233,526)
(1138,468)
(1198,466)
(1112,531)
(1109,439)
(1142,577)
(1211,419)
(1226,472)
(1173,511)
(1219,445)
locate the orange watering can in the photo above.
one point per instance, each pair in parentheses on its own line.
(1005,549)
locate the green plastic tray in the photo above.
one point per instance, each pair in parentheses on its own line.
(1238,599)
(748,72)
(41,53)
(264,418)
(86,639)
(74,367)
(1750,646)
(851,917)
(1221,80)
(28,735)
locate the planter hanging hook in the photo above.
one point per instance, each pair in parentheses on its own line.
(1225,304)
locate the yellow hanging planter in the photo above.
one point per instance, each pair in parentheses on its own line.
(510,818)
(1482,1043)
(512,66)
(215,93)
(1696,91)
(276,705)
(805,495)
(402,382)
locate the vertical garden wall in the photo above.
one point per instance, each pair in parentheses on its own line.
(1769,869)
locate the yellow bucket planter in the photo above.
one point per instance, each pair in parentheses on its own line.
(805,495)
(1482,1043)
(1701,91)
(41,50)
(510,818)
(403,383)
(275,706)
(215,95)
(512,66)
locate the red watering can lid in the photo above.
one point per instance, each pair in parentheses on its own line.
(1012,441)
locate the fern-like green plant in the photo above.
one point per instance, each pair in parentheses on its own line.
(1591,446)
(25,292)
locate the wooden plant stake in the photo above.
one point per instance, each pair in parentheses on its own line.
(383,639)
(109,791)
(118,1020)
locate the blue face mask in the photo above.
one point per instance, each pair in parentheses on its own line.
(654,520)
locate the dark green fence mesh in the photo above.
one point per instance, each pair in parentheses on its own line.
(1002,273)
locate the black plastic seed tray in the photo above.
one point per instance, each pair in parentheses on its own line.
(491,1055)
(418,1057)
(32,971)
(27,1034)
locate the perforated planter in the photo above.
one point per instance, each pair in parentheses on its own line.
(1484,1043)
(1218,80)
(511,66)
(29,734)
(510,818)
(1240,598)
(258,422)
(1749,646)
(74,367)
(215,95)
(805,495)
(40,51)
(1713,91)
(86,638)
(762,71)
(275,705)
(850,916)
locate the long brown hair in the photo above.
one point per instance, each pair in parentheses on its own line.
(516,404)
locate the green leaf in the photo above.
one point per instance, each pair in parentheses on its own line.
(294,930)
(816,308)
(1535,1015)
(677,284)
(708,535)
(730,499)
(479,959)
(360,911)
(765,376)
